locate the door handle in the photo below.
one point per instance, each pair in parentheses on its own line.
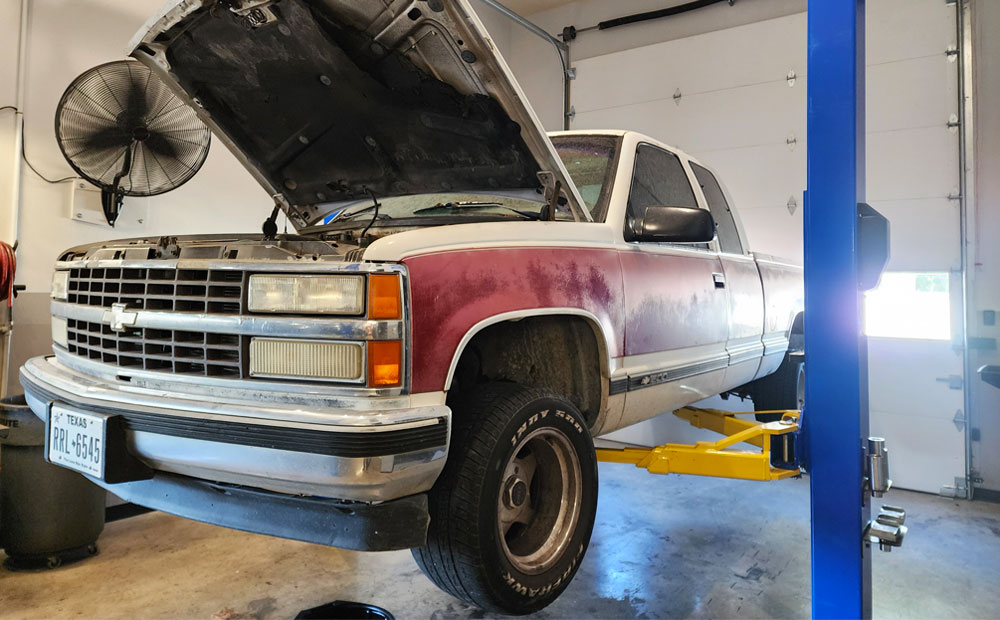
(719,279)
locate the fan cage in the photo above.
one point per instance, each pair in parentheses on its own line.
(121,110)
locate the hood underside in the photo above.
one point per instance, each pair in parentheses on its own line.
(327,101)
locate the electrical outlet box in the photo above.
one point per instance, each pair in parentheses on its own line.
(85,206)
(989,317)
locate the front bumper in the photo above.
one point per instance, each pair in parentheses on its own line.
(389,526)
(356,455)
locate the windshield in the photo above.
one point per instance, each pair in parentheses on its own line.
(591,163)
(590,160)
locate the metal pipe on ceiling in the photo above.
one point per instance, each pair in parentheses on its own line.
(570,32)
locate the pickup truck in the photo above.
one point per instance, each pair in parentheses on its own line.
(464,304)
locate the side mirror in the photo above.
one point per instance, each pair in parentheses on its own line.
(663,224)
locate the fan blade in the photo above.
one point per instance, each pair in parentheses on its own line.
(162,146)
(109,138)
(136,101)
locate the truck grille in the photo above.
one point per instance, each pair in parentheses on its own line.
(180,352)
(178,290)
(168,290)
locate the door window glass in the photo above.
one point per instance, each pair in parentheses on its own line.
(658,180)
(729,236)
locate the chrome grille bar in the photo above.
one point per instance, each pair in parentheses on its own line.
(178,290)
(179,352)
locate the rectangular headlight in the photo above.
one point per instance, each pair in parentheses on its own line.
(308,359)
(60,331)
(60,285)
(335,294)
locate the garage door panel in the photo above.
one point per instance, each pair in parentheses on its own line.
(773,230)
(924,455)
(737,57)
(902,362)
(763,176)
(712,121)
(899,29)
(912,163)
(924,234)
(899,97)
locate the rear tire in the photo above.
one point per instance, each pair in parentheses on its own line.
(785,389)
(514,508)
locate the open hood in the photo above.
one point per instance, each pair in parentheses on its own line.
(328,100)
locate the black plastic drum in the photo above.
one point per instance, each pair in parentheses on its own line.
(49,515)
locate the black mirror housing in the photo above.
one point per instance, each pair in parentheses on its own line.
(671,224)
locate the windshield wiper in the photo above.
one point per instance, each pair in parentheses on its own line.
(455,206)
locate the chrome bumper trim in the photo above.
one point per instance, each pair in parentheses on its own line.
(374,478)
(235,405)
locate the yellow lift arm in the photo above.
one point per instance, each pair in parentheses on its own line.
(706,458)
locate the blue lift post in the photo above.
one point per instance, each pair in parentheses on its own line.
(836,350)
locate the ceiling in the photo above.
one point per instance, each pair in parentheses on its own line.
(527,7)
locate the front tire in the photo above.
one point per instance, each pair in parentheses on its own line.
(514,508)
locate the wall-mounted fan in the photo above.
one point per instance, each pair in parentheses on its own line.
(123,130)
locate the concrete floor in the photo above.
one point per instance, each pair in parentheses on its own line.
(664,546)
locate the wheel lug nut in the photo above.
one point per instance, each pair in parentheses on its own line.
(515,492)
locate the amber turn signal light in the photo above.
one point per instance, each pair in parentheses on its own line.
(385,363)
(384,297)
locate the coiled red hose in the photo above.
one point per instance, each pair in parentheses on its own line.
(8,265)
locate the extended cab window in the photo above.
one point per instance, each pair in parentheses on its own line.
(659,179)
(729,237)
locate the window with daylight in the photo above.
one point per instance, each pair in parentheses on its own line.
(909,305)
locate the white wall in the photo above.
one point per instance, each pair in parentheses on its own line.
(9,20)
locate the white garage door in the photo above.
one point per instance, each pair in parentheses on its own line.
(736,99)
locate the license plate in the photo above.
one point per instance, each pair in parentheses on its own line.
(76,440)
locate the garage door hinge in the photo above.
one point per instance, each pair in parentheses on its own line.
(959,420)
(959,489)
(954,382)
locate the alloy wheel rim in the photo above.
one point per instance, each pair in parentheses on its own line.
(538,506)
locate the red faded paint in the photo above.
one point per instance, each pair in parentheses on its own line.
(672,301)
(453,291)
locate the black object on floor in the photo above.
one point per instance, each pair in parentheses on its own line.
(47,560)
(345,610)
(49,516)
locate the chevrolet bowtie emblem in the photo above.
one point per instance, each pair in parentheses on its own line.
(118,317)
